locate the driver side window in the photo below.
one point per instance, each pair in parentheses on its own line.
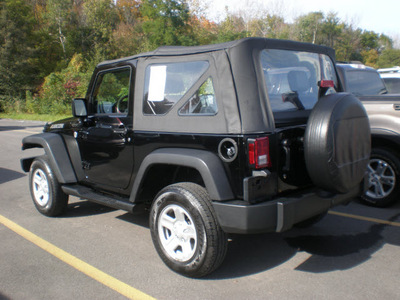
(111,92)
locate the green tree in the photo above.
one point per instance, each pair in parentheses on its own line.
(166,22)
(18,57)
(60,33)
(369,40)
(101,19)
(232,28)
(59,88)
(385,42)
(308,27)
(271,26)
(370,57)
(348,44)
(389,58)
(58,15)
(331,29)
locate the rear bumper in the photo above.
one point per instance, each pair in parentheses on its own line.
(280,214)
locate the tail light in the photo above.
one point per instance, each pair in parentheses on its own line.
(259,152)
(326,83)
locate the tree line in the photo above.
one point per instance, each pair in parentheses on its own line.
(50,47)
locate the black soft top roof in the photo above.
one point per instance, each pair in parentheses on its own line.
(241,45)
(241,87)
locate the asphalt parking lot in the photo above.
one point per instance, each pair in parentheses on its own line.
(94,252)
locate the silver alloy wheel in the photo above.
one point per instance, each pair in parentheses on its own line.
(40,187)
(382,179)
(177,233)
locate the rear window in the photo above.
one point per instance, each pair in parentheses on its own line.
(292,78)
(364,83)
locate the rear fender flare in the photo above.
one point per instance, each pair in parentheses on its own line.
(206,163)
(385,134)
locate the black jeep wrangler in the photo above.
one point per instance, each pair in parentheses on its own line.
(243,137)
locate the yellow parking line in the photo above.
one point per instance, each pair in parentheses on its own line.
(105,279)
(357,217)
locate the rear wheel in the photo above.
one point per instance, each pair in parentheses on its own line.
(46,192)
(185,230)
(383,171)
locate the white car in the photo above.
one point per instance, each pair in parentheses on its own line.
(391,77)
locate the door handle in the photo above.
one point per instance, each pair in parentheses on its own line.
(120,130)
(396,106)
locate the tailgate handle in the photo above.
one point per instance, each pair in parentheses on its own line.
(396,106)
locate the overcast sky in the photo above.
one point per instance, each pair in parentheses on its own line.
(381,16)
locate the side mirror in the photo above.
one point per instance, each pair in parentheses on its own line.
(79,108)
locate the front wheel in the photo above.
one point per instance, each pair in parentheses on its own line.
(185,230)
(383,174)
(46,192)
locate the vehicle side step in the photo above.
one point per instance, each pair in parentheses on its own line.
(87,193)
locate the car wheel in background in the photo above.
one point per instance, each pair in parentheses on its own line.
(383,174)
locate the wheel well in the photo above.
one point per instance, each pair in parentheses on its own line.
(27,162)
(378,142)
(160,176)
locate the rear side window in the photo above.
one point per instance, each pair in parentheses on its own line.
(363,83)
(166,84)
(392,85)
(292,78)
(203,102)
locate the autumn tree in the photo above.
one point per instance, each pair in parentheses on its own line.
(128,11)
(204,30)
(127,37)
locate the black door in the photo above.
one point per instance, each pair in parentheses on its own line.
(105,140)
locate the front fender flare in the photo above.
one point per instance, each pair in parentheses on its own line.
(55,150)
(206,163)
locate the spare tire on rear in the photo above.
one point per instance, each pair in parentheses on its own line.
(337,143)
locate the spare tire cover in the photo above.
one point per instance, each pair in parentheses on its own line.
(337,143)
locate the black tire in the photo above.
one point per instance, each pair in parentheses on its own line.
(182,218)
(46,192)
(337,143)
(384,176)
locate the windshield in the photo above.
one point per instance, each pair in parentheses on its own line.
(292,78)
